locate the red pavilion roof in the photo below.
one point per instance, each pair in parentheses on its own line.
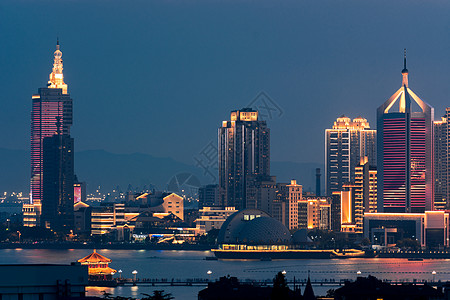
(94,257)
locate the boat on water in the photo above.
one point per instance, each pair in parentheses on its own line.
(415,259)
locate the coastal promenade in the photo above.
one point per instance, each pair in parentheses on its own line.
(158,282)
(109,246)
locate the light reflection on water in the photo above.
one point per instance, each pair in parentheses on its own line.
(181,265)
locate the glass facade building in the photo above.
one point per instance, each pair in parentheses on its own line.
(405,152)
(244,151)
(51,104)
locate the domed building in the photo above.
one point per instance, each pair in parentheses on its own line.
(253,234)
(253,227)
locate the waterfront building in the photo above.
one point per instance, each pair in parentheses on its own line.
(345,143)
(314,213)
(212,218)
(98,267)
(441,162)
(58,183)
(244,150)
(285,204)
(253,227)
(208,195)
(351,210)
(366,185)
(253,234)
(430,228)
(157,202)
(405,152)
(106,216)
(294,196)
(49,103)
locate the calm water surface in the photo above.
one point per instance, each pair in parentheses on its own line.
(180,265)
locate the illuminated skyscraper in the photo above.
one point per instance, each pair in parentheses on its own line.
(244,150)
(441,162)
(405,152)
(345,144)
(49,104)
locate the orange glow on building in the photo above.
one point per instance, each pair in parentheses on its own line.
(56,76)
(346,207)
(295,195)
(244,115)
(98,266)
(318,213)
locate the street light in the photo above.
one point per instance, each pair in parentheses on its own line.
(434,274)
(120,274)
(283,272)
(209,274)
(358,273)
(134,275)
(18,232)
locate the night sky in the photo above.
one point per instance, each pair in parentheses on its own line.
(158,77)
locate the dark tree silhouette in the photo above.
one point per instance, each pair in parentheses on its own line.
(280,289)
(158,295)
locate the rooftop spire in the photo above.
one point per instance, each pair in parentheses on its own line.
(405,70)
(56,76)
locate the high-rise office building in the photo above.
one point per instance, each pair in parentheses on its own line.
(50,103)
(441,162)
(366,185)
(58,183)
(244,150)
(345,144)
(294,196)
(405,152)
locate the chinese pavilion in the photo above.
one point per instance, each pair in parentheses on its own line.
(98,267)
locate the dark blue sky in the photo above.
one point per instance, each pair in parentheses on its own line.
(158,77)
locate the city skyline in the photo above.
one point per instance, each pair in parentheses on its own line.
(149,78)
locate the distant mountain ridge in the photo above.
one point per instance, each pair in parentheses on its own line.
(108,170)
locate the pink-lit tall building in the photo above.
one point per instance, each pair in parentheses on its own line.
(49,103)
(405,152)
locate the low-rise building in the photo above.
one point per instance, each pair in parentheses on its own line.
(213,218)
(430,229)
(315,213)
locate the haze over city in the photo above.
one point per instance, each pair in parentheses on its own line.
(224,150)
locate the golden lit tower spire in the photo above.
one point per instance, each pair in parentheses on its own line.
(404,71)
(56,76)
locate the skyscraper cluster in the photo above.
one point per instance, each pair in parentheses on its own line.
(400,169)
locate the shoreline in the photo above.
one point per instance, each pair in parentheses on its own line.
(66,246)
